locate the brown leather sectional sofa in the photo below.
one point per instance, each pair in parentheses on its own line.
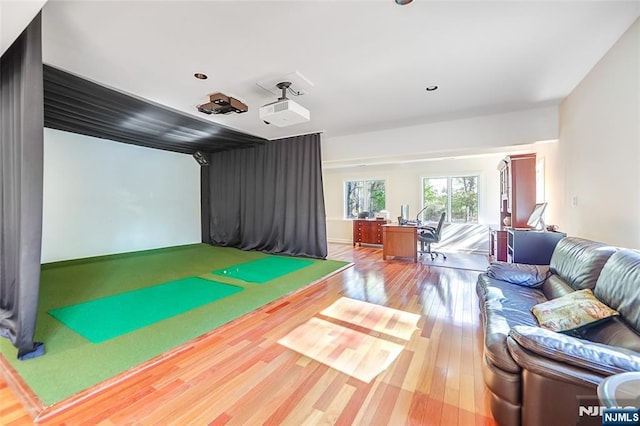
(539,377)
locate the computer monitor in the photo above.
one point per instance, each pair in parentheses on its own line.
(536,219)
(404,212)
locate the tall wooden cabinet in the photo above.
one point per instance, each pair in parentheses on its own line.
(517,189)
(517,199)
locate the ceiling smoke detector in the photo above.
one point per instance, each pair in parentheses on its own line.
(284,112)
(219,103)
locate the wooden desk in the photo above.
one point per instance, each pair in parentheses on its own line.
(400,241)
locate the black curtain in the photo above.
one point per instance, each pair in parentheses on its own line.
(21,150)
(267,198)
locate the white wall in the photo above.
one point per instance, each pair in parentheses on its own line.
(600,148)
(553,189)
(104,197)
(483,134)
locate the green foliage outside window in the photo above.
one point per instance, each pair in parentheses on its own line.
(464,199)
(364,196)
(435,198)
(376,191)
(458,196)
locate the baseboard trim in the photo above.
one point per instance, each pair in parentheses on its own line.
(339,241)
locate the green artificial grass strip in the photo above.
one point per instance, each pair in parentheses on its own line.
(108,317)
(72,363)
(263,270)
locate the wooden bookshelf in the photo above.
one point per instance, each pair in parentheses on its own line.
(517,189)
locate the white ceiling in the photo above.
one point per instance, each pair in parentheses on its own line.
(369,61)
(14,18)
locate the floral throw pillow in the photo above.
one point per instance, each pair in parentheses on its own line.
(572,312)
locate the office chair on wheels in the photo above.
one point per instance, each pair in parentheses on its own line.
(428,235)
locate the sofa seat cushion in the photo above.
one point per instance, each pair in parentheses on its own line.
(572,312)
(490,289)
(615,332)
(504,306)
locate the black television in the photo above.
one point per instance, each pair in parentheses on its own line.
(536,220)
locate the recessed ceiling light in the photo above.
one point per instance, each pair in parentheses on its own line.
(431,88)
(200,76)
(403,2)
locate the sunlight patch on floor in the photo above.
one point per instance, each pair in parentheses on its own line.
(385,320)
(360,355)
(351,352)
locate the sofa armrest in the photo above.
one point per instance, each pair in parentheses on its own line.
(518,273)
(595,357)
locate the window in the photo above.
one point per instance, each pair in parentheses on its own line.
(457,196)
(363,196)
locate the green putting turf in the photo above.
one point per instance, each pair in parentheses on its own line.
(72,363)
(263,270)
(108,317)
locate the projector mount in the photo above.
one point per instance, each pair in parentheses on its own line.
(284,85)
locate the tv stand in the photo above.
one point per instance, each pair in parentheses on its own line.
(531,246)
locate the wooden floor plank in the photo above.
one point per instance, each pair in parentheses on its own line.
(299,404)
(240,374)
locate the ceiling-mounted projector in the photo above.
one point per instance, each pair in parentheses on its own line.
(284,112)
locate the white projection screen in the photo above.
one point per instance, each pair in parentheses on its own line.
(104,197)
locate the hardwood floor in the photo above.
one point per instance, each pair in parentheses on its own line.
(240,375)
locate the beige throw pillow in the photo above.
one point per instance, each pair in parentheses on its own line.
(571,312)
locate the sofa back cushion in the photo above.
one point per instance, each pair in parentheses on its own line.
(579,262)
(554,287)
(619,285)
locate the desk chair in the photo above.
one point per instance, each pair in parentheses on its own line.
(428,235)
